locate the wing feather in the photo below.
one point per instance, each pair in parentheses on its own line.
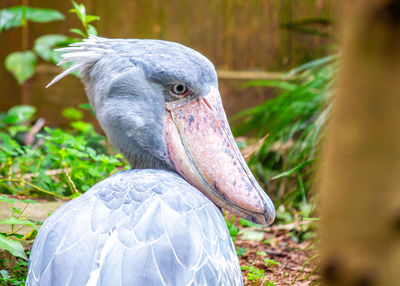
(138,227)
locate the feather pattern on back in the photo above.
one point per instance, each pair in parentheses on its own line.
(138,227)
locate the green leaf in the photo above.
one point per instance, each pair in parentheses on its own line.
(30,235)
(233,230)
(5,199)
(293,170)
(270,262)
(14,247)
(87,106)
(11,17)
(270,83)
(44,46)
(91,30)
(16,16)
(247,223)
(20,114)
(9,145)
(91,18)
(29,201)
(313,64)
(15,129)
(82,126)
(4,274)
(40,15)
(79,10)
(21,65)
(72,113)
(241,251)
(13,220)
(74,195)
(78,32)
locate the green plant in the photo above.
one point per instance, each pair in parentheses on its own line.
(17,276)
(240,251)
(246,223)
(305,264)
(271,263)
(80,11)
(10,240)
(253,273)
(233,229)
(56,162)
(289,126)
(22,64)
(18,16)
(256,276)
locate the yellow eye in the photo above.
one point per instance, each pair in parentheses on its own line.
(179,89)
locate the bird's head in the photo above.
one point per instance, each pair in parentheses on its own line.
(158,103)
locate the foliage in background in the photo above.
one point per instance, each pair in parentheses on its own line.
(17,219)
(257,276)
(17,276)
(20,229)
(56,162)
(282,147)
(80,11)
(18,16)
(22,64)
(287,129)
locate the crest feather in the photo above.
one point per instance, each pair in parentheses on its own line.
(82,55)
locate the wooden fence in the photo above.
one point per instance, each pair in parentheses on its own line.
(236,35)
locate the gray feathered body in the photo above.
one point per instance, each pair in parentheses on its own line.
(138,227)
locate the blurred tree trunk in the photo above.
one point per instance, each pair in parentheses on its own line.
(360,171)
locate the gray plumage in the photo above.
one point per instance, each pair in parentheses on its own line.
(138,227)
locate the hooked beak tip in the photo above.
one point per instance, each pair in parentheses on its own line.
(269,216)
(269,211)
(265,218)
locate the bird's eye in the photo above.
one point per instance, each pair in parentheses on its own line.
(179,89)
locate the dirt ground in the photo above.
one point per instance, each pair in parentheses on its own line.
(289,261)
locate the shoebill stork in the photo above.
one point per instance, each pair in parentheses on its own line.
(158,223)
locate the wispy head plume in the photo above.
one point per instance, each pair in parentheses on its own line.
(82,55)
